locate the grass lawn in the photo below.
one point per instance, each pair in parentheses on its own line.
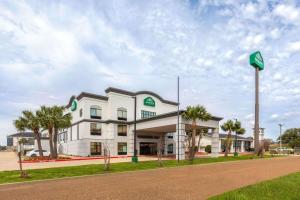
(50,173)
(286,187)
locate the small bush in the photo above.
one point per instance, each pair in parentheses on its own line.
(208,149)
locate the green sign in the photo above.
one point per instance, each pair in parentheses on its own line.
(149,102)
(74,105)
(256,60)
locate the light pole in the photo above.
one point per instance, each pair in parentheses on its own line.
(280,129)
(178,119)
(134,158)
(257,62)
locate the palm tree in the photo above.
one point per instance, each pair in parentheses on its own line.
(195,113)
(61,121)
(46,117)
(30,121)
(229,127)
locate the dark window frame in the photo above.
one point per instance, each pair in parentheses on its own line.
(121,116)
(168,148)
(97,108)
(122,152)
(123,132)
(147,114)
(93,132)
(94,148)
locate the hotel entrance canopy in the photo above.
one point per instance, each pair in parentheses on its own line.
(168,123)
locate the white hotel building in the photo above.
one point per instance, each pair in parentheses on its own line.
(109,120)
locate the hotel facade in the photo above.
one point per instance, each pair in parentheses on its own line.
(109,120)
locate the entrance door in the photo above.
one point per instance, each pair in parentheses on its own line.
(148,148)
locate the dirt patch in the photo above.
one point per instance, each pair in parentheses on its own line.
(189,182)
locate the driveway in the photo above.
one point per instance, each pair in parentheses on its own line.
(188,182)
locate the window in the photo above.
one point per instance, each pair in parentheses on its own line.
(95,148)
(170,148)
(122,114)
(95,128)
(122,148)
(147,114)
(170,135)
(122,130)
(80,112)
(95,112)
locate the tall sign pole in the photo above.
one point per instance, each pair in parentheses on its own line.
(257,62)
(256,123)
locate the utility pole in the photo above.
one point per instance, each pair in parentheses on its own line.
(280,129)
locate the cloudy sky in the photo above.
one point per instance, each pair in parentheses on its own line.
(50,50)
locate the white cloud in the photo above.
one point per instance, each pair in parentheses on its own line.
(293,46)
(52,50)
(274,116)
(288,12)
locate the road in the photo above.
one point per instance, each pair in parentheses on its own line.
(188,182)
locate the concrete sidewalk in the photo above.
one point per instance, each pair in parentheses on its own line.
(188,182)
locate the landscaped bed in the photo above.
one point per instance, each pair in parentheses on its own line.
(286,187)
(50,173)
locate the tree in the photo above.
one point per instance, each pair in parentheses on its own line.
(46,116)
(21,142)
(231,126)
(30,121)
(291,137)
(195,113)
(61,121)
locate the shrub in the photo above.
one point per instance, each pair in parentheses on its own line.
(208,149)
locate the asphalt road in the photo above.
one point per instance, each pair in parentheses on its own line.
(188,182)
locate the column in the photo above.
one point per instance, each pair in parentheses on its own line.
(215,143)
(182,135)
(242,146)
(130,144)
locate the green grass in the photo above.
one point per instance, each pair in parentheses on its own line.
(50,173)
(286,187)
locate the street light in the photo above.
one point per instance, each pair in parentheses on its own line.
(134,157)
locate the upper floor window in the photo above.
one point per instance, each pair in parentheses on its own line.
(122,114)
(147,114)
(95,128)
(95,112)
(122,130)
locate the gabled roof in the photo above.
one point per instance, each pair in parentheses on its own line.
(120,91)
(22,134)
(125,92)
